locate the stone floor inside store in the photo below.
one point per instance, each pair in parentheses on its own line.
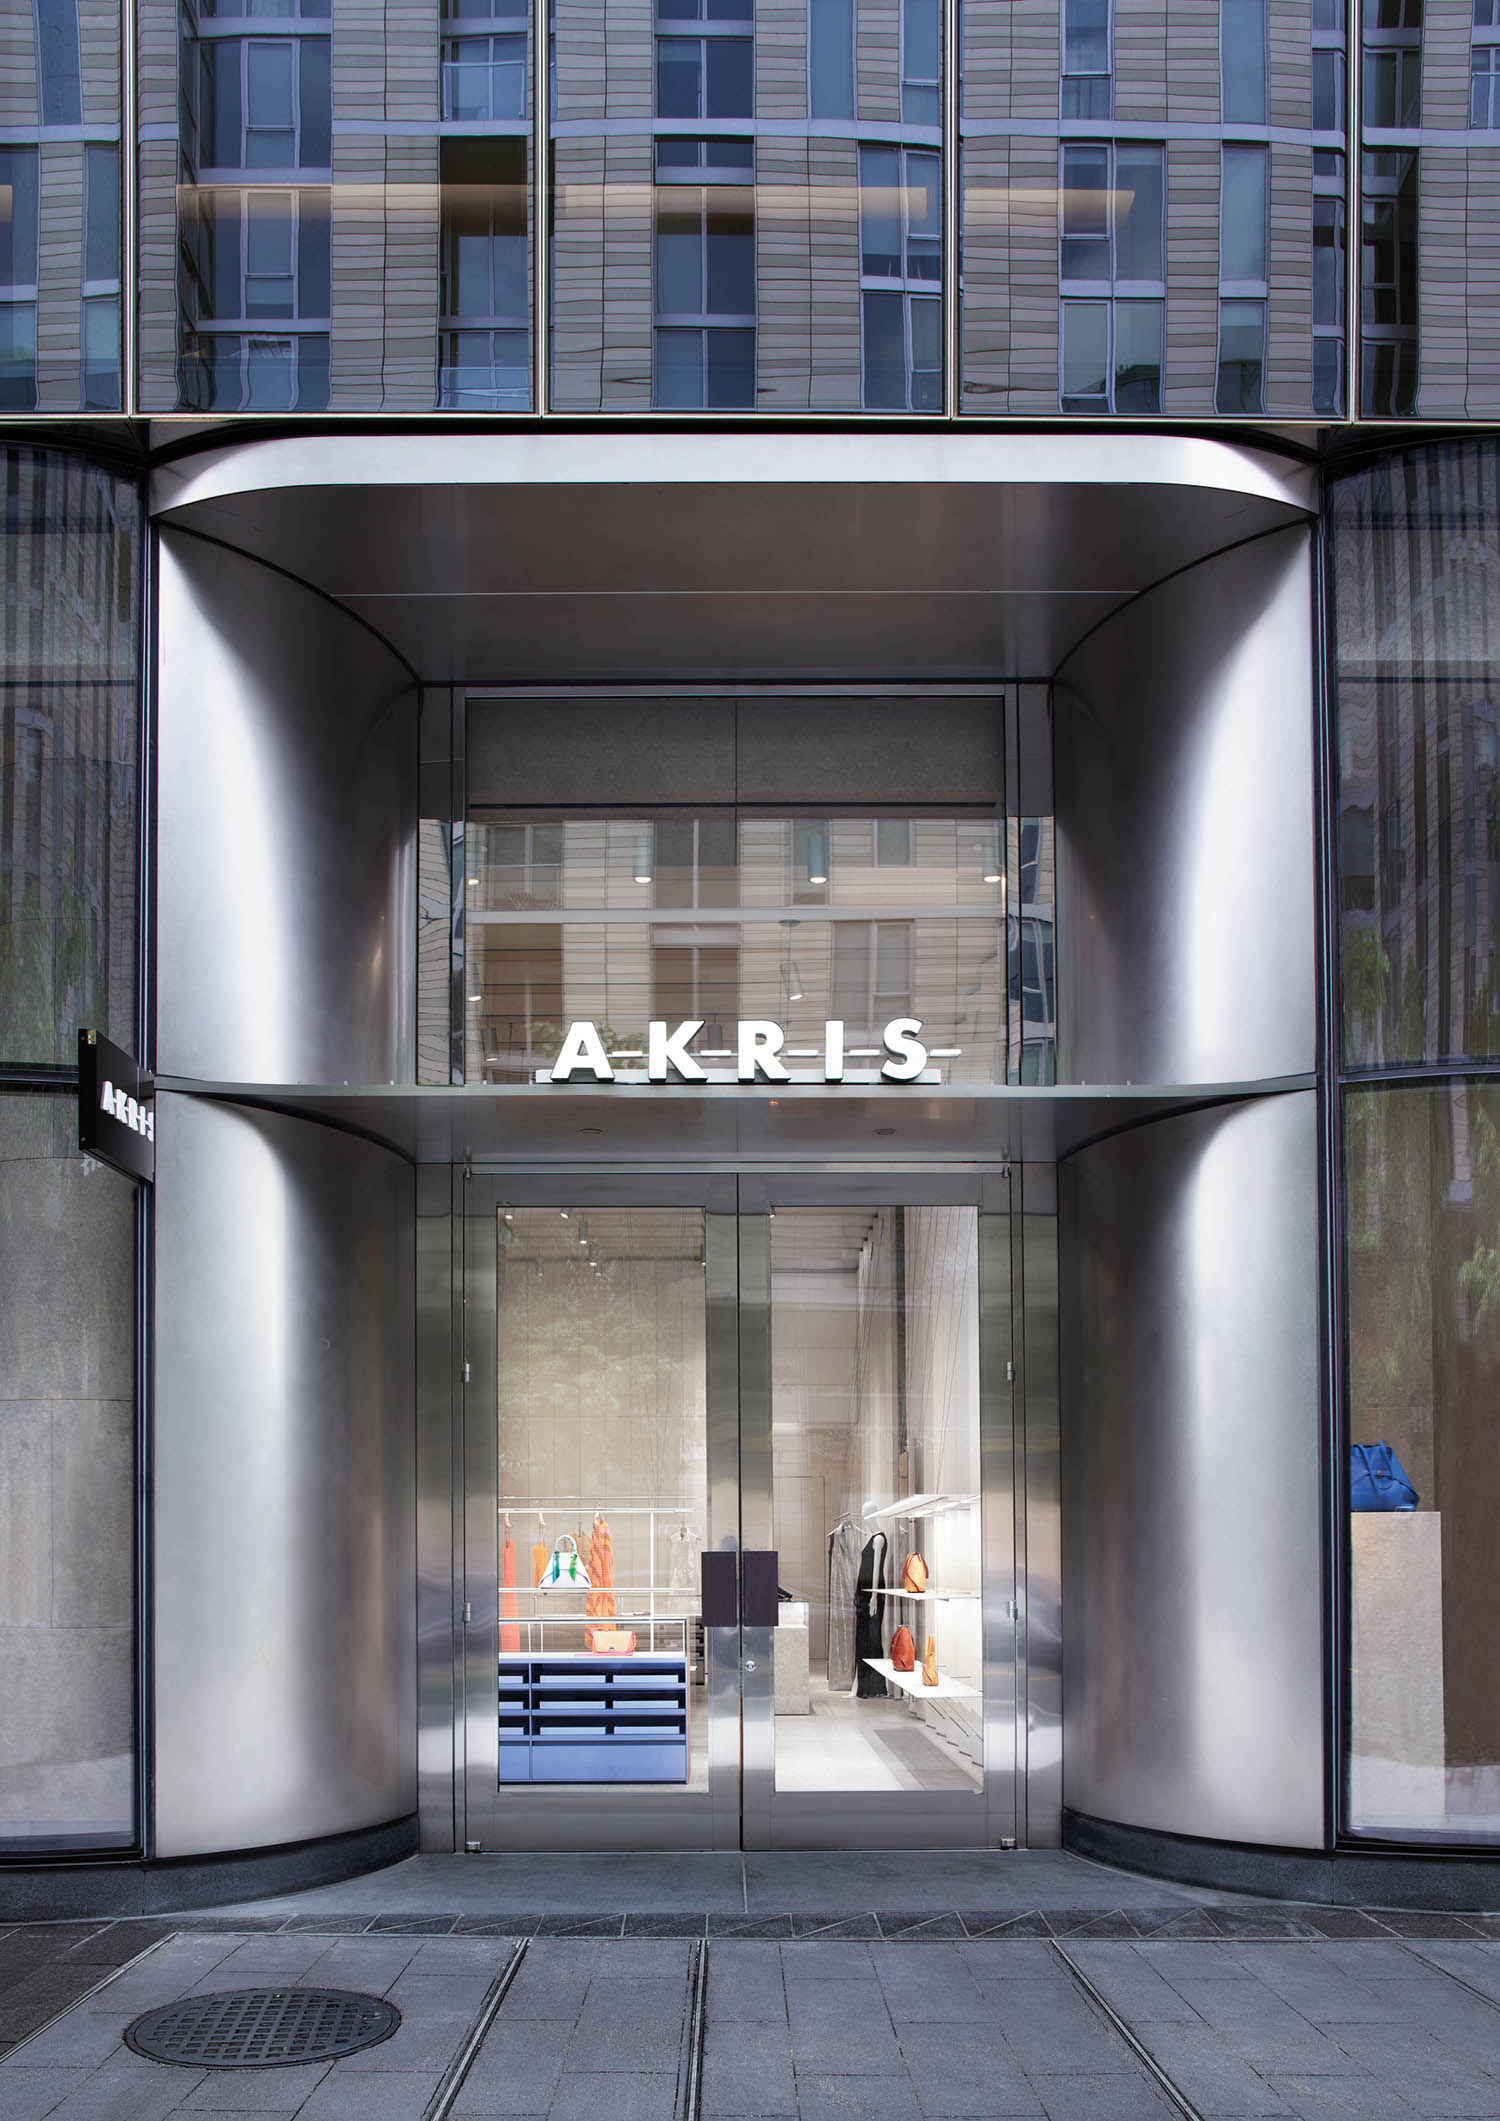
(797,1986)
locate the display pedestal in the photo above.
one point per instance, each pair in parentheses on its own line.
(1396,1759)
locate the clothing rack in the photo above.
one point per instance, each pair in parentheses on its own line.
(576,1513)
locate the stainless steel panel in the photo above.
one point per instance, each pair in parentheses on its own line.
(287,783)
(1002,1550)
(1183,733)
(1039,1500)
(439,1671)
(284,1492)
(1191,1428)
(554,556)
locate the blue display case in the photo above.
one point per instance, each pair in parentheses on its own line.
(577,1717)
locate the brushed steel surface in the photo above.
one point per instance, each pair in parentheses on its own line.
(1183,732)
(286,839)
(1039,1499)
(609,556)
(284,1488)
(439,1673)
(1192,1423)
(1001,1551)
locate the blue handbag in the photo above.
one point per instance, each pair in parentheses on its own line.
(1377,1479)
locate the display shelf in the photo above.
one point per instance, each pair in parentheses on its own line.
(912,1682)
(936,1597)
(935,1502)
(575,1716)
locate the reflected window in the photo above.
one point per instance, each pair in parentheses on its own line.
(1087,89)
(830,58)
(1242,61)
(1484,67)
(1388,286)
(705,299)
(59,77)
(900,234)
(484,353)
(1241,383)
(254,258)
(18,269)
(1328,91)
(1242,216)
(707,77)
(921,36)
(265,103)
(484,76)
(1111,248)
(1329,266)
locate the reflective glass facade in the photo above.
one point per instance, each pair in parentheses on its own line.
(1415,544)
(901,206)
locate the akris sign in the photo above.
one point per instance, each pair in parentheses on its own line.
(116,1108)
(759,1054)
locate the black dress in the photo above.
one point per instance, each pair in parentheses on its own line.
(869,1606)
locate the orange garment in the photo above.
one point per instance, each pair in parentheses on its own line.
(540,1556)
(600,1603)
(510,1634)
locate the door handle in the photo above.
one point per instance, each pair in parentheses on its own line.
(720,1599)
(758,1581)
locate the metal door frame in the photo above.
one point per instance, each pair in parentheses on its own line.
(741,1806)
(865,1819)
(556,1816)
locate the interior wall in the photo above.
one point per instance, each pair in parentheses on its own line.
(283,1481)
(1183,738)
(1191,1476)
(286,835)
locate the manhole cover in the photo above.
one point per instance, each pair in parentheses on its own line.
(262,2028)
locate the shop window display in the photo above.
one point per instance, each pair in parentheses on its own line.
(875,1498)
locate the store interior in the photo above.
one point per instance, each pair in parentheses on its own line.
(603,1497)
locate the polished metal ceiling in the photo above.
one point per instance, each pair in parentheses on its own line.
(670,557)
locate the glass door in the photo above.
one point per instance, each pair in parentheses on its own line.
(600,1410)
(738,1531)
(879,1693)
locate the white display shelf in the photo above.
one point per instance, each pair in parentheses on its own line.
(937,1597)
(929,1503)
(912,1682)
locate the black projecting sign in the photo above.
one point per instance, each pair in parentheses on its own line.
(116,1108)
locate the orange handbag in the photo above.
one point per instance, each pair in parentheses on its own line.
(914,1573)
(610,1642)
(903,1651)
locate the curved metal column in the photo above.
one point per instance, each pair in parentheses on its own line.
(1183,739)
(284,1503)
(1192,1551)
(287,784)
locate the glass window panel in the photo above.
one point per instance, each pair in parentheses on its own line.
(18,226)
(730,366)
(1242,214)
(1484,87)
(1328,91)
(926,353)
(880,212)
(730,262)
(1328,261)
(315,95)
(59,78)
(314,256)
(1242,61)
(1086,37)
(1422,1219)
(101,237)
(677,372)
(731,78)
(1328,376)
(101,353)
(1242,357)
(1329,14)
(679,259)
(920,35)
(1085,355)
(884,352)
(1139,193)
(602,1317)
(830,63)
(1138,328)
(875,1401)
(1085,213)
(679,78)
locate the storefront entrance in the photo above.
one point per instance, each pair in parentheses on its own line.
(735,1448)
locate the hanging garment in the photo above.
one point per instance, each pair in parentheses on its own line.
(683,1548)
(540,1556)
(869,1610)
(843,1571)
(600,1603)
(510,1634)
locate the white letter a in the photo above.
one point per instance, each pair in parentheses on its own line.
(582,1048)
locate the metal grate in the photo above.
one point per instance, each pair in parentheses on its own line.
(262,2028)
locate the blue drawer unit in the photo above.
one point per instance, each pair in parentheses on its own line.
(575,1717)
